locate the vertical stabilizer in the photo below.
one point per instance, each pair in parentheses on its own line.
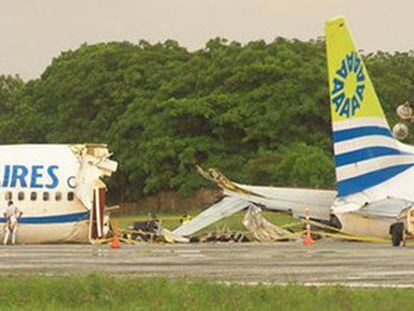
(366,153)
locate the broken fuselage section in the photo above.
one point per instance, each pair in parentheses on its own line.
(58,188)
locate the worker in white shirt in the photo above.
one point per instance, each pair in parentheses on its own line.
(12,215)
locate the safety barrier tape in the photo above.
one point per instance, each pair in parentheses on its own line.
(339,233)
(352,237)
(146,218)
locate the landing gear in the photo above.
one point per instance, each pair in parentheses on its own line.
(397,233)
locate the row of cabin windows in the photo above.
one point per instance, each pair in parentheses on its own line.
(46,196)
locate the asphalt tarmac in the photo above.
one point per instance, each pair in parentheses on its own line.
(326,262)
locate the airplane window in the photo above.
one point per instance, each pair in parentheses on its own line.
(20,196)
(33,196)
(71,196)
(46,196)
(58,196)
(8,195)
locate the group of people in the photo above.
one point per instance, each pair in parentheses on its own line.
(12,215)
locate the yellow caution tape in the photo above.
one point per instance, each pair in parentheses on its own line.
(351,237)
(146,218)
(345,235)
(292,224)
(339,233)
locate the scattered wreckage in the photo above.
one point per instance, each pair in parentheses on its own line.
(258,228)
(374,170)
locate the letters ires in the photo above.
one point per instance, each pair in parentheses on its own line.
(35,176)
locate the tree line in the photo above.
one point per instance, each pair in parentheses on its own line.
(258,111)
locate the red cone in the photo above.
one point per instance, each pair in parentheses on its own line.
(308,238)
(115,242)
(308,241)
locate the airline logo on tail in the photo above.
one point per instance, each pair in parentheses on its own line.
(351,91)
(367,156)
(348,86)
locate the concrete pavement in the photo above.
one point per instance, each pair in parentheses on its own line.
(327,261)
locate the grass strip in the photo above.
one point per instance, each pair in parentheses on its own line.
(102,292)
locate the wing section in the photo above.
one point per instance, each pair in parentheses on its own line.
(239,197)
(291,200)
(224,208)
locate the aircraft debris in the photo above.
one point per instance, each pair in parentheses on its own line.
(224,235)
(226,207)
(152,231)
(261,229)
(374,170)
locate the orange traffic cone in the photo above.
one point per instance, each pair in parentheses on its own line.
(115,242)
(308,241)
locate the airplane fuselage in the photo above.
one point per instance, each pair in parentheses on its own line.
(41,181)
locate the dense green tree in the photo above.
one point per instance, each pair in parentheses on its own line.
(9,85)
(259,112)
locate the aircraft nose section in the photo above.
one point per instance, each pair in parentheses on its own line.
(94,164)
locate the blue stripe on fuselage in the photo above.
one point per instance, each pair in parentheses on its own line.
(368,180)
(361,131)
(364,154)
(75,217)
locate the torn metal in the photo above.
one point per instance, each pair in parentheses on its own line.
(152,231)
(226,207)
(94,164)
(261,229)
(291,200)
(224,235)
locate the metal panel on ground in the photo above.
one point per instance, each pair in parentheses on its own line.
(226,207)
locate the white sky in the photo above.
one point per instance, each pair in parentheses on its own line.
(32,32)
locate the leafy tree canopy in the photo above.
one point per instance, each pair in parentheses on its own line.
(259,112)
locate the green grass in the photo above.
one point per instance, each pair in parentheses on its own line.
(99,292)
(234,222)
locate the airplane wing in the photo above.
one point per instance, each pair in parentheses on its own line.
(224,208)
(291,200)
(238,197)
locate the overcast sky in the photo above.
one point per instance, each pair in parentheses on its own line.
(32,32)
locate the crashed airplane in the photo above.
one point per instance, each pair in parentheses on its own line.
(374,171)
(58,189)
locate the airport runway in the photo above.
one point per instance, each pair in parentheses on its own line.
(358,264)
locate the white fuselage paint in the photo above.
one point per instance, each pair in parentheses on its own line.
(41,181)
(322,203)
(365,226)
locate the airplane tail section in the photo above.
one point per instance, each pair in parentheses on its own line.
(366,153)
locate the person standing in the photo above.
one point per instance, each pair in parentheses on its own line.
(12,215)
